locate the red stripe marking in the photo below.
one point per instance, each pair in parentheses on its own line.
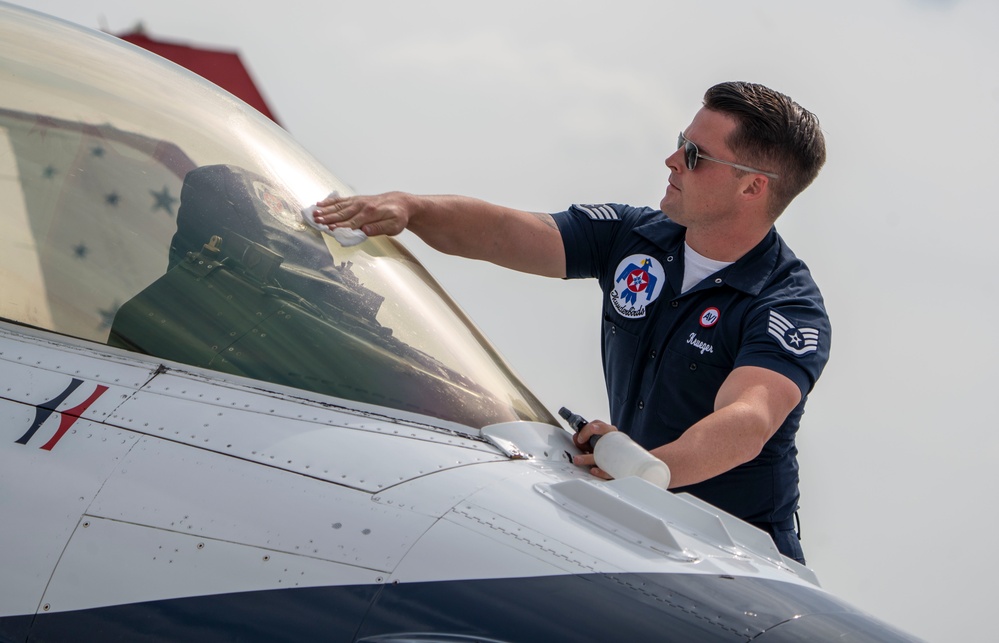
(70,416)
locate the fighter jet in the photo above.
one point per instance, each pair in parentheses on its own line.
(218,423)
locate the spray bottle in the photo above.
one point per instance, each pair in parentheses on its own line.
(620,456)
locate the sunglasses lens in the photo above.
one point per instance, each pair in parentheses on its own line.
(689,151)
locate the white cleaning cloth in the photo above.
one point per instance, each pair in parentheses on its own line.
(346,236)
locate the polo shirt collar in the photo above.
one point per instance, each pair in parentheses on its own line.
(749,274)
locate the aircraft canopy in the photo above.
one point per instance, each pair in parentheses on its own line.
(146,209)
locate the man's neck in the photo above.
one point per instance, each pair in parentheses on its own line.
(728,244)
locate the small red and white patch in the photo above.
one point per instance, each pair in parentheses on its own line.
(710,317)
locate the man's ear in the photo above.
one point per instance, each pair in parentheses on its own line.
(757,188)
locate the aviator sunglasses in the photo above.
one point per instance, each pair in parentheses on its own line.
(691,154)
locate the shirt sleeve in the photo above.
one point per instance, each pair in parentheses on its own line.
(789,336)
(590,233)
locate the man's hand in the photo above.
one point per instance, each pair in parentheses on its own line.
(382,214)
(582,439)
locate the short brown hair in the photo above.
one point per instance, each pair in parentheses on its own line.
(774,133)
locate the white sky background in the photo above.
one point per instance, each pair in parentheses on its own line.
(539,105)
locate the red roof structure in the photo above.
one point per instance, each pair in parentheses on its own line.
(223,68)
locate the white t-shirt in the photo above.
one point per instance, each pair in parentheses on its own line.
(696,267)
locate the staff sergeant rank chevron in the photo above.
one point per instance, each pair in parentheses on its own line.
(798,341)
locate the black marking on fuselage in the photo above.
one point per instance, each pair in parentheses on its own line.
(591,607)
(45,409)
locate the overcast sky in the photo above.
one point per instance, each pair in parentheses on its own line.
(542,104)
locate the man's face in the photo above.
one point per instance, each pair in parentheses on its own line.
(708,193)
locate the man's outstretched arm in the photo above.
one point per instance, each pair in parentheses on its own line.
(456,225)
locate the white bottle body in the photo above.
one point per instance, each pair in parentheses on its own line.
(620,456)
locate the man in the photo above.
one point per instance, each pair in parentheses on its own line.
(714,332)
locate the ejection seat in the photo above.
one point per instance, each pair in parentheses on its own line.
(253,291)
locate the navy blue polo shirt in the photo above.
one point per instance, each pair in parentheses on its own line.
(666,354)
